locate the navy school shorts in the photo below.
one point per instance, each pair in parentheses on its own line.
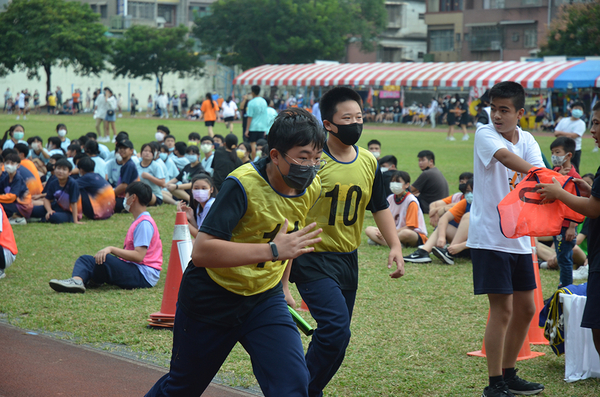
(496,272)
(591,314)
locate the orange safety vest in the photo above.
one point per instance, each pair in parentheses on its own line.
(524,213)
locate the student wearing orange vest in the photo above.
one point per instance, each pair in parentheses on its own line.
(7,242)
(34,185)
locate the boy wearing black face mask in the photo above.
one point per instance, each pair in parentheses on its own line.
(328,277)
(232,289)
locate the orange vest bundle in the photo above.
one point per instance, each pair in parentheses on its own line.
(522,212)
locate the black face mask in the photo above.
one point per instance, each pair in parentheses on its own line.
(299,177)
(217,144)
(462,187)
(348,134)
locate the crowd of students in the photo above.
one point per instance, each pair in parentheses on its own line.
(237,285)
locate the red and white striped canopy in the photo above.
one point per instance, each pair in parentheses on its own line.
(409,74)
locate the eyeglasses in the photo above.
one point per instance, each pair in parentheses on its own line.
(307,163)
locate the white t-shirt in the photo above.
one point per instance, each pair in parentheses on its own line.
(21,100)
(566,124)
(492,181)
(229,109)
(101,106)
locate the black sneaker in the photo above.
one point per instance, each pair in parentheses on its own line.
(443,255)
(522,387)
(500,389)
(419,256)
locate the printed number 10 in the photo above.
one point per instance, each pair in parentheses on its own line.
(347,205)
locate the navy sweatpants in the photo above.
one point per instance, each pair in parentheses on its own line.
(270,337)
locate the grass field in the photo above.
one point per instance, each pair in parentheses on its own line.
(410,336)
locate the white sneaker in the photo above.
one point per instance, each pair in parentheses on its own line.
(371,242)
(17,221)
(594,150)
(544,265)
(452,138)
(581,273)
(18,117)
(113,140)
(465,137)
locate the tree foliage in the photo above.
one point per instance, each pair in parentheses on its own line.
(149,52)
(47,33)
(256,32)
(575,31)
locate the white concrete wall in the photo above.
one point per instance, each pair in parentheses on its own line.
(215,80)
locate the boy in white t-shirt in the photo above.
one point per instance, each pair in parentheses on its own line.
(502,267)
(405,208)
(573,127)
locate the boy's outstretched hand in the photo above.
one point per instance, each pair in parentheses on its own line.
(396,256)
(292,245)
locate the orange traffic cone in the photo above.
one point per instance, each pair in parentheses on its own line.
(524,354)
(181,250)
(536,333)
(303,307)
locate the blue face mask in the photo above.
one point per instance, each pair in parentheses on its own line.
(469,197)
(192,158)
(577,113)
(163,156)
(171,149)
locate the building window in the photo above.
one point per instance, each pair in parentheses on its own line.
(198,11)
(441,40)
(167,12)
(486,38)
(140,10)
(391,54)
(421,16)
(103,11)
(515,37)
(530,38)
(493,4)
(394,12)
(451,5)
(420,55)
(433,5)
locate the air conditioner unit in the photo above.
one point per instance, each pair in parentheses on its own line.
(495,45)
(160,22)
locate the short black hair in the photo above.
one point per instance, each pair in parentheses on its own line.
(509,90)
(578,103)
(86,164)
(374,142)
(333,97)
(568,144)
(54,140)
(141,190)
(428,154)
(63,163)
(470,183)
(192,149)
(170,136)
(389,159)
(22,148)
(465,175)
(91,147)
(12,157)
(57,156)
(151,146)
(79,156)
(596,107)
(589,175)
(261,142)
(164,129)
(180,147)
(194,136)
(207,138)
(60,125)
(295,127)
(92,135)
(75,146)
(255,89)
(37,138)
(223,139)
(401,174)
(83,139)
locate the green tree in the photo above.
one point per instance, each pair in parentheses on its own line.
(38,34)
(575,31)
(148,52)
(256,32)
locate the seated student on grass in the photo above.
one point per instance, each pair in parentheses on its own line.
(440,207)
(105,152)
(261,144)
(563,150)
(136,265)
(226,160)
(12,136)
(163,155)
(54,146)
(152,174)
(446,231)
(194,139)
(207,148)
(61,131)
(169,142)
(7,242)
(387,166)
(26,175)
(203,196)
(61,202)
(231,290)
(431,184)
(37,149)
(15,197)
(407,214)
(127,173)
(34,183)
(72,151)
(218,140)
(91,149)
(374,147)
(97,196)
(181,184)
(162,131)
(178,156)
